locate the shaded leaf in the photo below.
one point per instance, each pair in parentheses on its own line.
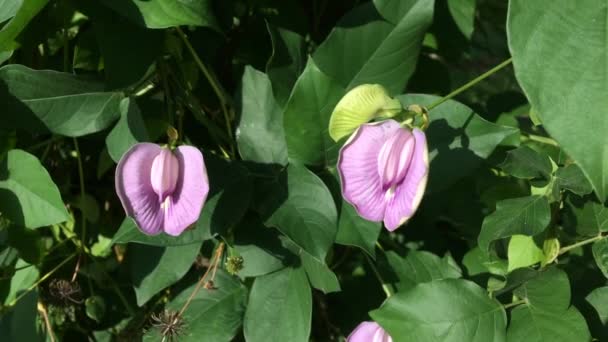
(442,310)
(525,215)
(463,12)
(547,314)
(20,18)
(458,140)
(572,178)
(260,135)
(524,162)
(165,13)
(302,208)
(129,130)
(287,61)
(559,89)
(356,231)
(154,268)
(279,308)
(421,267)
(319,274)
(28,195)
(306,118)
(377,51)
(600,254)
(65,104)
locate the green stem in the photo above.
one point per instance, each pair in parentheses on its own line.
(43,278)
(219,92)
(82,192)
(516,303)
(385,286)
(581,243)
(470,84)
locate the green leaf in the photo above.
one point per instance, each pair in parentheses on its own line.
(287,61)
(299,205)
(587,218)
(261,249)
(129,130)
(568,97)
(524,162)
(443,310)
(598,298)
(547,315)
(525,215)
(320,276)
(21,322)
(24,276)
(95,308)
(356,231)
(10,31)
(8,9)
(66,104)
(260,135)
(377,51)
(29,196)
(280,307)
(421,267)
(155,268)
(458,140)
(213,315)
(477,262)
(165,13)
(572,178)
(463,12)
(306,118)
(600,254)
(523,252)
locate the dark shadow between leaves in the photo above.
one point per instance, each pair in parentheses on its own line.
(17,115)
(448,163)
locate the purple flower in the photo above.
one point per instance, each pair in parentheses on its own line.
(383,168)
(162,190)
(369,332)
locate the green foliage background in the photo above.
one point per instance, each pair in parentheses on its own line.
(509,243)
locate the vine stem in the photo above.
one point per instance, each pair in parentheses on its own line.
(219,92)
(214,263)
(516,303)
(385,287)
(43,278)
(82,212)
(470,83)
(581,243)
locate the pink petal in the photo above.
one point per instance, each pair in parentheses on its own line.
(395,156)
(409,193)
(135,190)
(164,174)
(368,332)
(358,168)
(190,193)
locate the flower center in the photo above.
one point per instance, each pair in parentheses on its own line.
(394,160)
(165,171)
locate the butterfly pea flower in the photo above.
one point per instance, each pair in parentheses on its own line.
(163,190)
(369,332)
(383,168)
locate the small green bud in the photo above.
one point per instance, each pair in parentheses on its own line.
(234,264)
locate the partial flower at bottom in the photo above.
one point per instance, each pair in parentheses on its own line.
(161,189)
(383,168)
(369,332)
